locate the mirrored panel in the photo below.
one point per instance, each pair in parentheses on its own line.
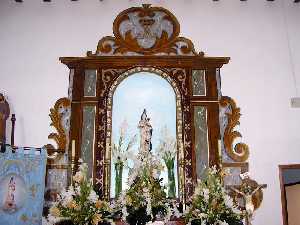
(144,130)
(201,139)
(198,82)
(90,81)
(57,179)
(232,176)
(88,136)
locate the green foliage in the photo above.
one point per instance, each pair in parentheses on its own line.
(80,204)
(211,204)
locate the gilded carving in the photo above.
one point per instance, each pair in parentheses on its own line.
(60,116)
(240,152)
(145,30)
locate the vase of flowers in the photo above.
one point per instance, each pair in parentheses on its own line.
(171,177)
(167,150)
(80,205)
(119,175)
(211,205)
(120,154)
(145,199)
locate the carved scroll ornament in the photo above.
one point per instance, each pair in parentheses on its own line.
(240,152)
(60,117)
(145,31)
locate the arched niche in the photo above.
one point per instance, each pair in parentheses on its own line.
(131,93)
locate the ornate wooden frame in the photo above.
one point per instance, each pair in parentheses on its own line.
(166,54)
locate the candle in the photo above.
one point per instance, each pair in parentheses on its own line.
(220,148)
(73,149)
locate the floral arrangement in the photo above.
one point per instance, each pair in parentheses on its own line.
(167,150)
(120,154)
(145,200)
(211,205)
(80,203)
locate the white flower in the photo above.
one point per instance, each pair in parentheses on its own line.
(205,194)
(176,212)
(149,208)
(214,170)
(77,190)
(124,213)
(202,215)
(167,145)
(67,196)
(186,210)
(197,190)
(46,222)
(203,222)
(155,173)
(236,210)
(223,223)
(168,215)
(111,221)
(83,167)
(78,177)
(52,219)
(93,197)
(80,160)
(228,201)
(123,128)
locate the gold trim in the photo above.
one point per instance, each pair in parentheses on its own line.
(61,138)
(240,152)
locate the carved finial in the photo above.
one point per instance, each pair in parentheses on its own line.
(146,6)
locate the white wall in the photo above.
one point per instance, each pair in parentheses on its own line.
(254,34)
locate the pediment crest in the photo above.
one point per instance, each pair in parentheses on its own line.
(145,30)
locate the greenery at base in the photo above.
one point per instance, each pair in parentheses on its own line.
(211,205)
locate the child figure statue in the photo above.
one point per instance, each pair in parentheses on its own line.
(9,204)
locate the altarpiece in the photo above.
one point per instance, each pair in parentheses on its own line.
(146,47)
